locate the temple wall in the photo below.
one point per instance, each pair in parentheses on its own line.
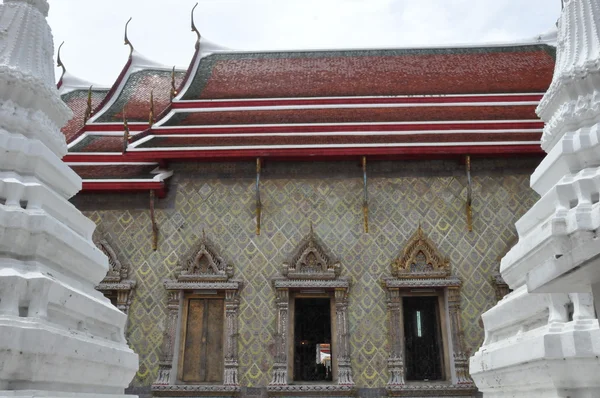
(220,198)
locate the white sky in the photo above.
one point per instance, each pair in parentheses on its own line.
(160,29)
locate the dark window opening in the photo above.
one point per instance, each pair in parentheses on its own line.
(112,296)
(423,338)
(312,339)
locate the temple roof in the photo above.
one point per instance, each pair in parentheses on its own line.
(433,71)
(430,102)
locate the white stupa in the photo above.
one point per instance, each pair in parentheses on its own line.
(543,339)
(59,337)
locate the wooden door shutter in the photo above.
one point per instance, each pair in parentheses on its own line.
(202,352)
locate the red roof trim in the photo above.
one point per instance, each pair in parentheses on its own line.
(328,153)
(158,187)
(320,128)
(201,104)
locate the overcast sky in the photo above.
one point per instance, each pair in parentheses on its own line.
(160,29)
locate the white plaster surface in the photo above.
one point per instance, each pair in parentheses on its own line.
(59,337)
(543,339)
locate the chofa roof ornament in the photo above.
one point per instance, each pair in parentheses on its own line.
(126,38)
(59,62)
(194,28)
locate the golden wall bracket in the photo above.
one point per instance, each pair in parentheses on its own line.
(469,208)
(258,201)
(153,219)
(365,196)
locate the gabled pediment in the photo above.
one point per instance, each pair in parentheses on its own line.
(421,259)
(311,261)
(205,265)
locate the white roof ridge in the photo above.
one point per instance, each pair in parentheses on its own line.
(70,82)
(548,38)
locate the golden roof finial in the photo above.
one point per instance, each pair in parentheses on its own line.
(173,88)
(194,29)
(125,131)
(59,63)
(88,110)
(126,38)
(151,115)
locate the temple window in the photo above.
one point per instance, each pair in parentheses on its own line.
(200,353)
(116,285)
(312,340)
(427,350)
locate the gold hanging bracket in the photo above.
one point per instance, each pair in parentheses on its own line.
(194,28)
(469,209)
(258,201)
(151,115)
(173,88)
(154,225)
(59,62)
(126,38)
(88,109)
(126,135)
(365,196)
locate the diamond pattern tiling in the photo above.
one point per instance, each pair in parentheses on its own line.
(220,199)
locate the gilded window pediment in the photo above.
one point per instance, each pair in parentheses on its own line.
(420,259)
(116,282)
(311,261)
(204,264)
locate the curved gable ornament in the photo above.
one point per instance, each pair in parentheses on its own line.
(116,281)
(311,261)
(421,259)
(205,265)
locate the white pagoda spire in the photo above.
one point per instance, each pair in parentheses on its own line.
(543,339)
(59,336)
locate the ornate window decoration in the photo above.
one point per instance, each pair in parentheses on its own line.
(422,271)
(203,274)
(311,269)
(116,285)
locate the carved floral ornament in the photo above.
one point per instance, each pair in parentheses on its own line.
(311,261)
(205,265)
(420,259)
(115,281)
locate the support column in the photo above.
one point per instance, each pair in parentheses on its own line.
(232,303)
(396,359)
(166,364)
(343,351)
(461,364)
(280,367)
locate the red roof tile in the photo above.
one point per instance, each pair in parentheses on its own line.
(99,143)
(374,72)
(77,101)
(135,96)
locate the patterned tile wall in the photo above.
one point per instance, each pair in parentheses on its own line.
(220,199)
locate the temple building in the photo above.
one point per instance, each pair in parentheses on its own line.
(308,223)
